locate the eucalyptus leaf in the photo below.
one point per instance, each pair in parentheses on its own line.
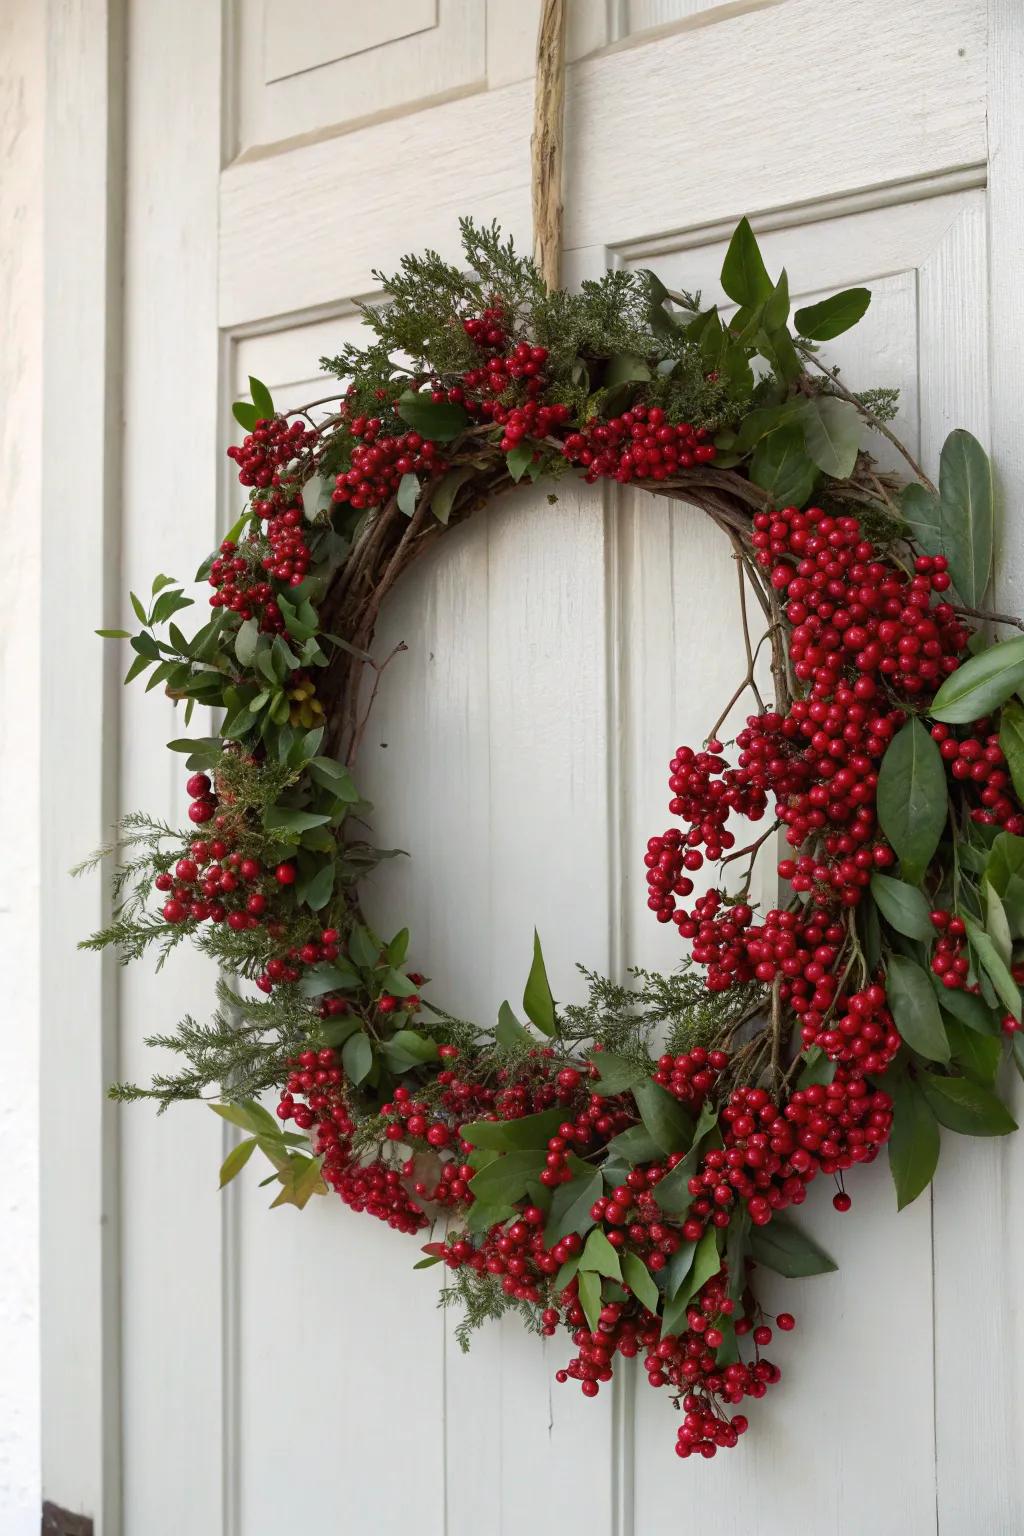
(640,1280)
(438,420)
(781,466)
(914,1142)
(831,317)
(967,513)
(832,433)
(915,1008)
(538,1003)
(903,906)
(744,275)
(784,1247)
(965,1106)
(911,797)
(981,684)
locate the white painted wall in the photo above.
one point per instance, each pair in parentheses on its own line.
(22,69)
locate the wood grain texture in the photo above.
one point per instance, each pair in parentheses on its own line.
(22,132)
(171,1315)
(79,1258)
(273,263)
(557,655)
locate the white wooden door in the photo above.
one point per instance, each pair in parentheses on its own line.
(283,1371)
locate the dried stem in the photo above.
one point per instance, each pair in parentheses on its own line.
(869,416)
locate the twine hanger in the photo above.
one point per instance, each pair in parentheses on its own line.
(546,142)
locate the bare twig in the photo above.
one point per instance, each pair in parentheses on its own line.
(868,415)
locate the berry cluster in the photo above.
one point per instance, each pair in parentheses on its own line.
(378,463)
(641,444)
(239,587)
(770,1154)
(268,448)
(977,759)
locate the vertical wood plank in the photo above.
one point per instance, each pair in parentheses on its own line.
(78,1135)
(171,1314)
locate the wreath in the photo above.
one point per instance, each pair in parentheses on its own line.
(620,1166)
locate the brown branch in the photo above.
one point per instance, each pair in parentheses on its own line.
(868,415)
(546,142)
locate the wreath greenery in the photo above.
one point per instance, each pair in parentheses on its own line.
(618,1166)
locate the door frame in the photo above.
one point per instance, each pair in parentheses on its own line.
(79,1021)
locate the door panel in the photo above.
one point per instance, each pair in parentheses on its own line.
(556,655)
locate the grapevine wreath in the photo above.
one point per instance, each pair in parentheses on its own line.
(618,1167)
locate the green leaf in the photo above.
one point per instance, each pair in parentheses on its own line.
(744,274)
(245,414)
(408,494)
(284,818)
(510,1033)
(518,460)
(590,1297)
(818,1068)
(914,1143)
(505,1180)
(363,948)
(920,511)
(903,906)
(994,966)
(832,316)
(261,399)
(966,1007)
(781,467)
(439,420)
(671,1193)
(408,1049)
(915,1008)
(617,1072)
(784,1247)
(635,1146)
(981,684)
(638,1277)
(246,641)
(318,979)
(570,1206)
(1011,740)
(598,1254)
(428,1263)
(997,924)
(967,514)
(357,1057)
(776,309)
(114,634)
(504,1135)
(625,368)
(706,1264)
(832,432)
(442,496)
(1004,871)
(966,1107)
(978,1056)
(566,1273)
(140,612)
(678,1267)
(663,1116)
(911,798)
(318,892)
(236,1160)
(538,1003)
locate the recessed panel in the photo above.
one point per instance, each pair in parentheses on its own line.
(304,71)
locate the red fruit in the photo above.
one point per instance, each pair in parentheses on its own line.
(284,874)
(174,911)
(201,810)
(198,786)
